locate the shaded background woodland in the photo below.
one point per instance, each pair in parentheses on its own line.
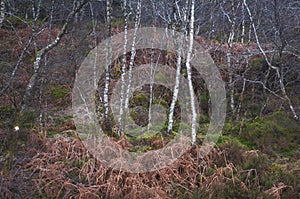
(257,155)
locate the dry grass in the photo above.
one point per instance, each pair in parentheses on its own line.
(63,168)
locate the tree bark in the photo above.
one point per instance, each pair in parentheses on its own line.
(189,72)
(108,59)
(133,51)
(178,67)
(124,61)
(2,12)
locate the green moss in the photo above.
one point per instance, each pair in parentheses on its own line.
(140,150)
(139,99)
(149,136)
(204,98)
(119,22)
(232,127)
(59,92)
(140,115)
(161,102)
(108,126)
(231,140)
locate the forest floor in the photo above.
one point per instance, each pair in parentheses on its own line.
(57,165)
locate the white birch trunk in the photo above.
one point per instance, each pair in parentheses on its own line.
(94,32)
(178,68)
(229,67)
(152,76)
(35,16)
(189,73)
(2,12)
(243,24)
(124,60)
(108,59)
(152,73)
(177,82)
(241,99)
(232,21)
(249,34)
(133,51)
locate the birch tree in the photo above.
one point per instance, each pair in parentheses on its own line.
(133,51)
(271,66)
(232,21)
(17,66)
(243,24)
(2,12)
(124,61)
(95,41)
(152,73)
(42,52)
(108,59)
(178,64)
(43,73)
(189,72)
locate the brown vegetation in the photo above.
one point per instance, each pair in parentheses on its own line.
(62,168)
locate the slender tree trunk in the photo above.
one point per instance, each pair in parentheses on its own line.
(152,73)
(243,24)
(35,16)
(124,61)
(16,68)
(178,68)
(2,12)
(75,4)
(232,21)
(189,72)
(212,23)
(133,51)
(249,34)
(241,100)
(152,77)
(279,28)
(177,82)
(41,53)
(108,59)
(94,45)
(41,112)
(230,69)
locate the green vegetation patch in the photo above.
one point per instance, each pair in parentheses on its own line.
(59,92)
(276,133)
